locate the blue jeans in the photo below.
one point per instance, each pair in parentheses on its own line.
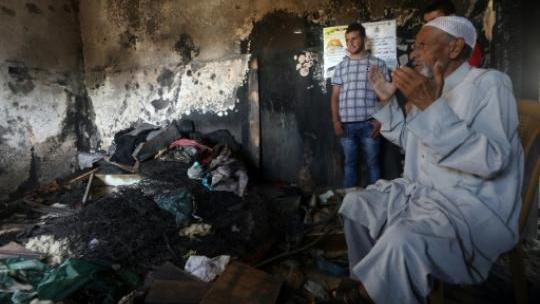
(356,137)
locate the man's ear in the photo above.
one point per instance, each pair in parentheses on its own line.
(456,46)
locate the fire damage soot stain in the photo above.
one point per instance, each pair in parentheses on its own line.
(3,133)
(128,40)
(186,48)
(160,104)
(23,82)
(166,78)
(32,8)
(78,120)
(128,10)
(151,27)
(7,11)
(33,174)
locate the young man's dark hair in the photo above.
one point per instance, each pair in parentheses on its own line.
(445,6)
(356,27)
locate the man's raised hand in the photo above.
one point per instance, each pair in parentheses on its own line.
(383,88)
(420,90)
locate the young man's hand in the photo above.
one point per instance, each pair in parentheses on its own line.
(383,88)
(376,128)
(338,128)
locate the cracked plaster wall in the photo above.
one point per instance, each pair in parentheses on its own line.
(38,88)
(156,61)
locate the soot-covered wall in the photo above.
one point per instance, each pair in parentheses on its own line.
(42,103)
(156,61)
(298,143)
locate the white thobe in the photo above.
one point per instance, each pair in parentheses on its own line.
(456,208)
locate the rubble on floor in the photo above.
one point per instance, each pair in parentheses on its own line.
(136,215)
(130,231)
(123,229)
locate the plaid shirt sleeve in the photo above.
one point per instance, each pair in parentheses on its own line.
(337,79)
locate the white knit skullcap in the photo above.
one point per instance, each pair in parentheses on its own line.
(459,27)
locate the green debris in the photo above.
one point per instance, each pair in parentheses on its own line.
(24,279)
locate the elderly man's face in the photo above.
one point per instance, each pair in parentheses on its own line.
(431,45)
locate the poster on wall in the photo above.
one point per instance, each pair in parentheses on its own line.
(381,36)
(335,48)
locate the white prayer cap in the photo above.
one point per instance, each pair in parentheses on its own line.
(456,26)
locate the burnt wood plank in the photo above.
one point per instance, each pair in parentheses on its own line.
(242,284)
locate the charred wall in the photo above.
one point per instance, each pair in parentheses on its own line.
(73,73)
(156,61)
(298,143)
(522,59)
(42,104)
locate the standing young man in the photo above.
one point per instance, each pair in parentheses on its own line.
(353,103)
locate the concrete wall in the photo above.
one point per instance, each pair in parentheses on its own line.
(40,87)
(156,61)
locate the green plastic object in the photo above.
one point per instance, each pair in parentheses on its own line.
(22,280)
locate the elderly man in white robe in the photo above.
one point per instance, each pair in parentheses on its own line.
(456,208)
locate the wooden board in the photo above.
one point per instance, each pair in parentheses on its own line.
(13,249)
(242,284)
(169,284)
(254,116)
(176,292)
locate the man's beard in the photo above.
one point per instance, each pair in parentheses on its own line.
(357,51)
(426,71)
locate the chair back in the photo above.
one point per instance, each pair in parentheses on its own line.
(529,130)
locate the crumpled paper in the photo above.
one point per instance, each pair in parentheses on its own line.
(205,268)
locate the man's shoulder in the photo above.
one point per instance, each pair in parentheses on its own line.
(490,77)
(344,60)
(374,60)
(342,63)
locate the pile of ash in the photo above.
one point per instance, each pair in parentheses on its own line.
(129,228)
(240,225)
(126,227)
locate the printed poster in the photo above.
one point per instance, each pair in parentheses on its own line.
(381,40)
